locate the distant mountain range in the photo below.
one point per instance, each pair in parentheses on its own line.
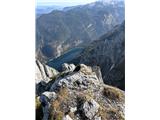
(61,30)
(40,10)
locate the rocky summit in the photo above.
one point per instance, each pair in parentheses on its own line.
(78,93)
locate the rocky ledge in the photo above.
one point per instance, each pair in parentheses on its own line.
(78,93)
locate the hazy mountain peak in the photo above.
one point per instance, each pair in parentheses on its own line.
(104,3)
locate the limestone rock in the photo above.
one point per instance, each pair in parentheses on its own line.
(97,70)
(44,72)
(90,108)
(76,81)
(67,117)
(81,95)
(85,69)
(73,109)
(50,95)
(97,118)
(68,67)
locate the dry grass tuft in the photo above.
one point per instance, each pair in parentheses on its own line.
(57,105)
(58,115)
(111,114)
(113,93)
(115,114)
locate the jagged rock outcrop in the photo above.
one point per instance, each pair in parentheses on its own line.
(80,95)
(68,68)
(44,72)
(43,77)
(67,117)
(90,108)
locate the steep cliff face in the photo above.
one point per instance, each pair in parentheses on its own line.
(59,31)
(108,53)
(78,93)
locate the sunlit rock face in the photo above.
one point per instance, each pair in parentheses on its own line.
(44,72)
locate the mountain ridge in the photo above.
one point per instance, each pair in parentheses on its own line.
(59,31)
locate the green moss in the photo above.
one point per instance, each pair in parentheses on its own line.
(57,111)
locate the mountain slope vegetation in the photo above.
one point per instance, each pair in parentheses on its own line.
(60,31)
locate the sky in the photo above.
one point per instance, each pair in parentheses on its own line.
(63,2)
